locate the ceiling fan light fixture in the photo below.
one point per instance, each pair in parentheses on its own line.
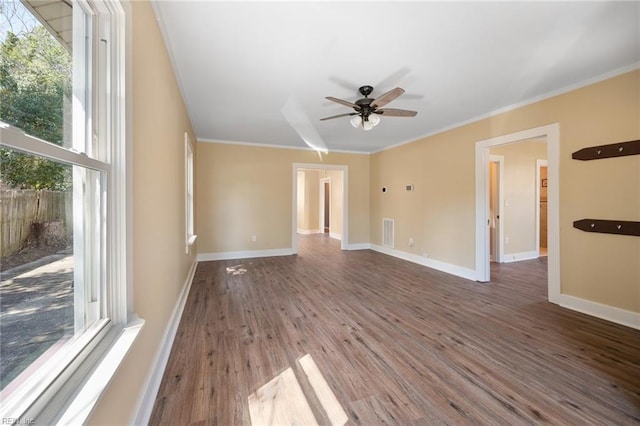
(374,119)
(356,121)
(366,125)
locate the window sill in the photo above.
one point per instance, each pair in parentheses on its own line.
(111,353)
(92,378)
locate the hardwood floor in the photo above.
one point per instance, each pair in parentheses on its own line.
(397,343)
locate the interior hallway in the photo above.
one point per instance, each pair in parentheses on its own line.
(396,342)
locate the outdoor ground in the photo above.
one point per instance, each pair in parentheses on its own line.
(26,256)
(36,306)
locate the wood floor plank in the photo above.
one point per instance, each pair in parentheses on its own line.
(396,343)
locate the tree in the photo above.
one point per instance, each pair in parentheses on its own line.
(35,80)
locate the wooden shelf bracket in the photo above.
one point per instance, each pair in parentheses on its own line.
(619,227)
(619,149)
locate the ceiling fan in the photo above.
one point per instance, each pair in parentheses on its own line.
(367,110)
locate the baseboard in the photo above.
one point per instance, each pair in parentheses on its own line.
(335,236)
(245,254)
(358,246)
(598,310)
(308,231)
(458,271)
(517,257)
(152,383)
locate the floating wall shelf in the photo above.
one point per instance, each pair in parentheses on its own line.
(619,227)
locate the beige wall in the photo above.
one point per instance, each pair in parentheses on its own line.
(440,213)
(247,190)
(520,204)
(308,200)
(160,267)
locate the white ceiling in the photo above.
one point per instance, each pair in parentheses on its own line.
(239,63)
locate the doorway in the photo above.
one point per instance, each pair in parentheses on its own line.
(542,203)
(551,135)
(325,205)
(338,199)
(496,195)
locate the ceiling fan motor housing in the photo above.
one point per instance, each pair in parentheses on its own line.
(364,106)
(365,90)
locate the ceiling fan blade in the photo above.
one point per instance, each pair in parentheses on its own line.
(387,97)
(393,112)
(339,115)
(345,103)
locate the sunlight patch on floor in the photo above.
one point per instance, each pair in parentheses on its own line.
(282,401)
(236,270)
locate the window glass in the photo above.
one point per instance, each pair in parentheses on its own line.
(36,290)
(35,76)
(53,257)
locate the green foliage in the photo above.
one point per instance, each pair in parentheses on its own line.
(35,80)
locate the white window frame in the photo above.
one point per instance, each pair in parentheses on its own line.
(68,386)
(190,236)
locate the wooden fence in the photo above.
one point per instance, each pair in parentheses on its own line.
(19,209)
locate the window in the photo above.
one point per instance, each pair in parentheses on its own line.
(63,145)
(188,167)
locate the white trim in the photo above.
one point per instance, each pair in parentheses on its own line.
(563,90)
(458,271)
(539,164)
(268,145)
(552,134)
(359,246)
(308,231)
(598,310)
(335,236)
(88,395)
(244,254)
(517,257)
(147,398)
(294,198)
(15,138)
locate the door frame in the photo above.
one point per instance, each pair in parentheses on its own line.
(500,231)
(344,242)
(539,164)
(322,201)
(551,133)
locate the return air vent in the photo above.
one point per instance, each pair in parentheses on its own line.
(387,232)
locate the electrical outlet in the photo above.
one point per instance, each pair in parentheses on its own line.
(254,238)
(410,242)
(506,240)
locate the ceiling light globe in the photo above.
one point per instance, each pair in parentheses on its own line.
(366,125)
(356,121)
(374,119)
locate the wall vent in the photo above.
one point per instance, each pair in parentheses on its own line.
(387,232)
